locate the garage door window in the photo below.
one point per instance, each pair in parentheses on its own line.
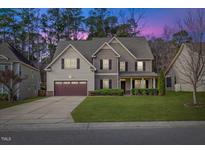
(82,82)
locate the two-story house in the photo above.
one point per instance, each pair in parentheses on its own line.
(82,66)
(12,59)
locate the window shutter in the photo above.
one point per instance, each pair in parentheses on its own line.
(62,63)
(110,84)
(136,66)
(101,84)
(110,64)
(144,66)
(78,63)
(126,66)
(101,64)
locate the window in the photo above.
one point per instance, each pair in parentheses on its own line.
(169,82)
(106,83)
(105,63)
(137,83)
(139,66)
(70,63)
(6,67)
(1,67)
(19,70)
(122,66)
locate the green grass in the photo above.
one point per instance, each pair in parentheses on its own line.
(139,108)
(6,104)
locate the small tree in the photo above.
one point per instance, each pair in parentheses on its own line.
(10,80)
(192,60)
(161,83)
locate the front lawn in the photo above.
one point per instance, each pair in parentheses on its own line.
(5,104)
(139,108)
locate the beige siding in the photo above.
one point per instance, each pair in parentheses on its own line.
(176,71)
(56,73)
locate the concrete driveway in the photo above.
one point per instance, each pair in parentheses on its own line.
(48,110)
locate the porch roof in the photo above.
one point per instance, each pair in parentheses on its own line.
(138,74)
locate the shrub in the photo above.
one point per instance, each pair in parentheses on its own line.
(106,92)
(42,93)
(161,83)
(144,91)
(3,97)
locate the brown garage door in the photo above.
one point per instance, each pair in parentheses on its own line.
(70,88)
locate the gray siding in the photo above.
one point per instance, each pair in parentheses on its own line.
(106,54)
(56,73)
(30,86)
(126,56)
(114,78)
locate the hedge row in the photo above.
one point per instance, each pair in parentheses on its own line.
(3,97)
(107,92)
(144,92)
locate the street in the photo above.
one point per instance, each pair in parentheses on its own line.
(137,136)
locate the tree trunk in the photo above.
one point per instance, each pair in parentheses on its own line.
(194,96)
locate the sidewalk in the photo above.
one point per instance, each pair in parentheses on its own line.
(101,125)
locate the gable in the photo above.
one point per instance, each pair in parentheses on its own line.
(105,46)
(181,49)
(115,41)
(69,48)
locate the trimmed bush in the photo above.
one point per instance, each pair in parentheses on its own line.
(144,92)
(3,97)
(161,83)
(107,92)
(42,93)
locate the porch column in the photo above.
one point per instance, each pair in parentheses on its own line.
(143,83)
(130,83)
(154,83)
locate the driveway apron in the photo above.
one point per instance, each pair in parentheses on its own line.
(47,110)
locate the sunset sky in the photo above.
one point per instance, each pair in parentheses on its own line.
(155,19)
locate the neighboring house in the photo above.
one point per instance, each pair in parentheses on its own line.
(175,78)
(11,59)
(82,66)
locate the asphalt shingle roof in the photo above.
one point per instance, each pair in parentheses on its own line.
(137,46)
(13,54)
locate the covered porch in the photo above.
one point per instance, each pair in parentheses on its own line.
(127,83)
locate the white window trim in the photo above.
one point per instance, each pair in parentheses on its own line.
(138,66)
(122,62)
(70,63)
(105,62)
(104,82)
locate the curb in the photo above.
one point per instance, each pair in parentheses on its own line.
(104,125)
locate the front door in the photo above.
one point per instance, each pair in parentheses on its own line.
(123,85)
